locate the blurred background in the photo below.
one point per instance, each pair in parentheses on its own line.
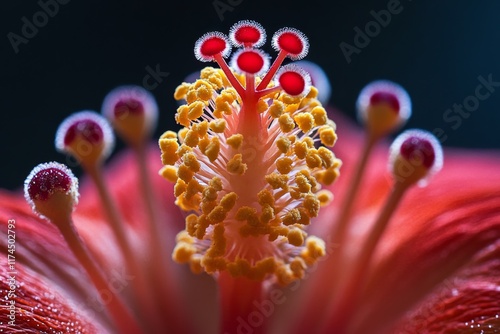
(441,52)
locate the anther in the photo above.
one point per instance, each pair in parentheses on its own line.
(415,155)
(383,106)
(52,191)
(133,113)
(87,136)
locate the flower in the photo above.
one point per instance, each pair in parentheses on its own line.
(412,248)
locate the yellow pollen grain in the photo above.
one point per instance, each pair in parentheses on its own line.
(191,224)
(283,144)
(277,181)
(181,91)
(191,138)
(326,156)
(313,93)
(201,227)
(276,109)
(217,215)
(298,267)
(305,121)
(247,213)
(313,159)
(286,123)
(315,248)
(304,217)
(185,173)
(204,90)
(288,99)
(200,128)
(312,205)
(213,149)
(182,134)
(295,237)
(169,135)
(328,176)
(284,165)
(221,107)
(262,106)
(209,194)
(169,173)
(291,108)
(181,116)
(195,110)
(183,149)
(218,125)
(182,252)
(216,183)
(236,166)
(180,188)
(325,197)
(228,201)
(303,184)
(235,141)
(319,114)
(191,95)
(265,197)
(300,149)
(327,135)
(267,213)
(169,151)
(291,217)
(193,188)
(218,246)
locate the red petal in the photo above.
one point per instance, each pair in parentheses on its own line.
(31,305)
(436,232)
(468,304)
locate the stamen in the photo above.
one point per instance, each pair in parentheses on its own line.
(383,106)
(91,131)
(87,136)
(89,128)
(415,155)
(52,191)
(250,219)
(133,113)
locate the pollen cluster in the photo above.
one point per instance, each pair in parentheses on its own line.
(249,169)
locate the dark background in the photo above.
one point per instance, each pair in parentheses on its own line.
(435,49)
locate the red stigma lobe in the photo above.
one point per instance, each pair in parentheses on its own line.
(47,181)
(126,106)
(418,148)
(88,129)
(385,97)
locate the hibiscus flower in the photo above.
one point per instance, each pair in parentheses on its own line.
(253,204)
